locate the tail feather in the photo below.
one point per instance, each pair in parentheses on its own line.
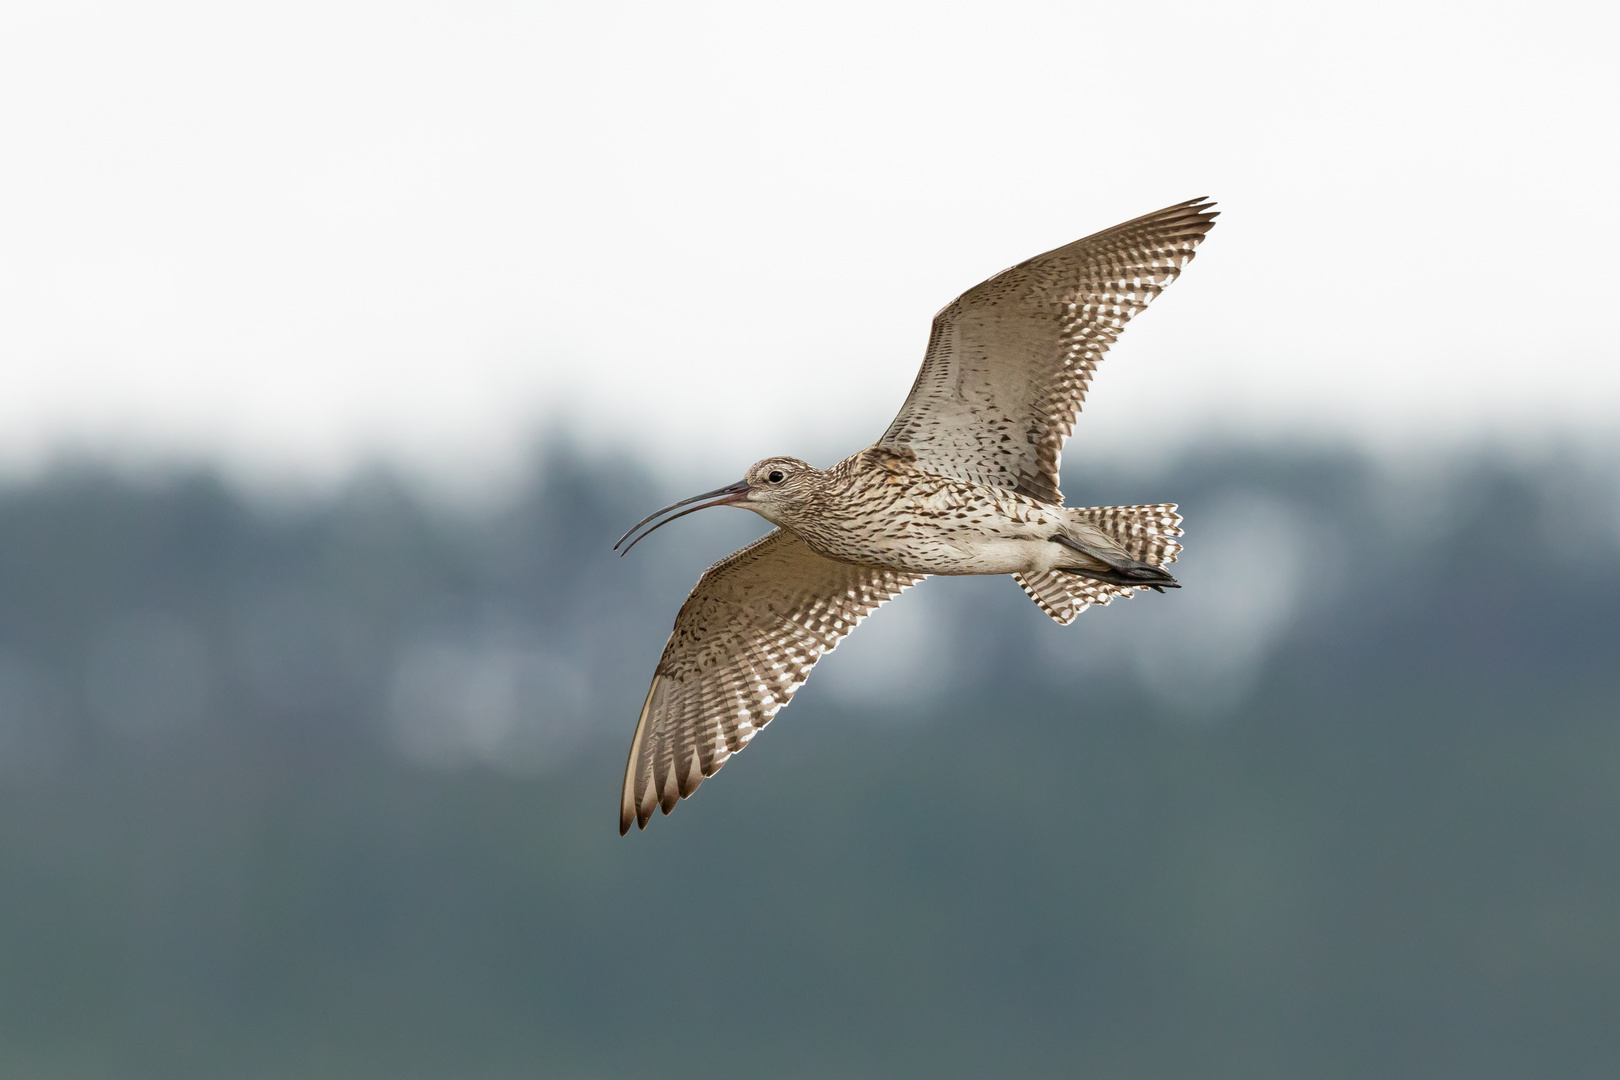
(1145,532)
(1065,596)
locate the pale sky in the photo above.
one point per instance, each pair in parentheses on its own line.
(295,237)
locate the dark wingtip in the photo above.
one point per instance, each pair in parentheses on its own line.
(1203,208)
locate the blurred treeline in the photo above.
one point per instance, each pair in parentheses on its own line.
(329,789)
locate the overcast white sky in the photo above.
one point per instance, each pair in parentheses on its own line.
(292,237)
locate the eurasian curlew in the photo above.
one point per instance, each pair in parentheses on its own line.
(965,481)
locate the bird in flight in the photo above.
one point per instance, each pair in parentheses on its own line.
(964,481)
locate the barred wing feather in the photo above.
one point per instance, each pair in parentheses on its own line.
(1010,360)
(744,641)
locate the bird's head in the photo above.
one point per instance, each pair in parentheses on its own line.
(774,488)
(779,486)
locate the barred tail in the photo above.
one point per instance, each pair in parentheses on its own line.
(1145,532)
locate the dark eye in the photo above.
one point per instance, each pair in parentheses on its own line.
(775,476)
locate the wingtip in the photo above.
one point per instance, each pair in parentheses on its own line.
(1203,207)
(631,806)
(1190,219)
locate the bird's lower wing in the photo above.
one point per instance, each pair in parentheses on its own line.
(1010,360)
(744,641)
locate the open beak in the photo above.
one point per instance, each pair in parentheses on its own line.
(731,495)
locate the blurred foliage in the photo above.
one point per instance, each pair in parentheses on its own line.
(1393,855)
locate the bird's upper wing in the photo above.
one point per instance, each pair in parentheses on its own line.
(1009,360)
(744,641)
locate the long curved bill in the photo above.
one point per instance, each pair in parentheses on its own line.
(730,495)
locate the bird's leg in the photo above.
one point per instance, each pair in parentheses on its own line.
(1115,569)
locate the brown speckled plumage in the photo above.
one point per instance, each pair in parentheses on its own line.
(965,481)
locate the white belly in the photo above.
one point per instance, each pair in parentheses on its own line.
(929,548)
(990,555)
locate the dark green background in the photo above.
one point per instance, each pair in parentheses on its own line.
(1398,856)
